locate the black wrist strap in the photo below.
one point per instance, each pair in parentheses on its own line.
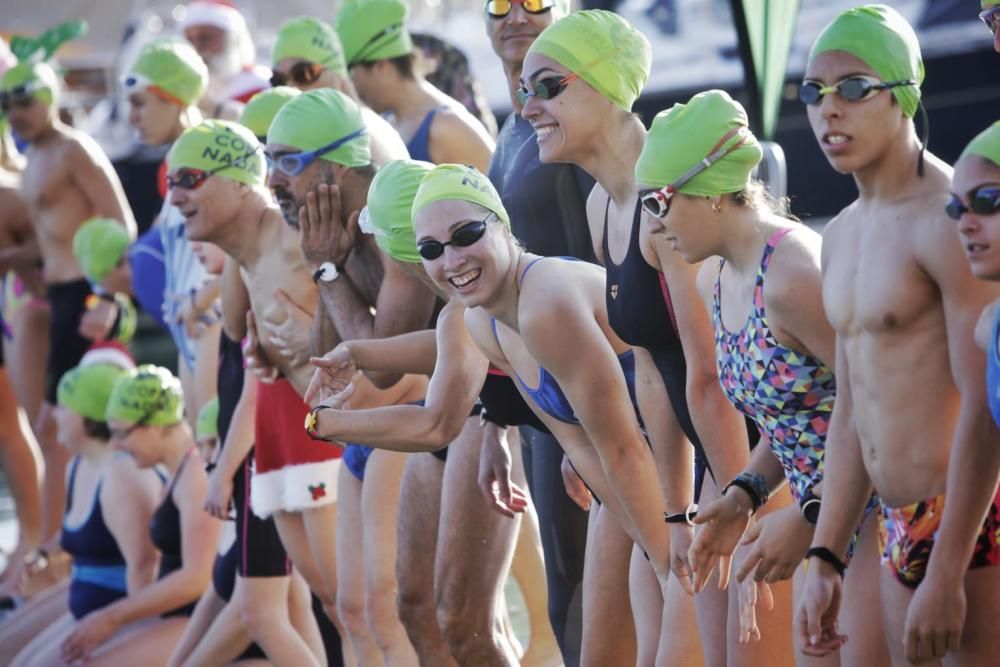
(687,516)
(829,558)
(755,500)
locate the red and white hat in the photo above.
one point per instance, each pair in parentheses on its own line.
(108,352)
(218,13)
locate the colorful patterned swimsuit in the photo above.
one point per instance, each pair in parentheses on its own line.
(787,393)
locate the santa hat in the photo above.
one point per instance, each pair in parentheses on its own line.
(108,352)
(218,13)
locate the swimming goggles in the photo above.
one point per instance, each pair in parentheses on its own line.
(462,237)
(302,73)
(852,89)
(657,202)
(20,96)
(982,201)
(500,8)
(191,179)
(547,88)
(991,17)
(136,82)
(293,164)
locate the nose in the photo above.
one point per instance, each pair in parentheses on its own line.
(969,224)
(517,14)
(830,106)
(276,179)
(532,107)
(654,224)
(177,196)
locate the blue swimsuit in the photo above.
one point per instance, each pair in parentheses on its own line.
(548,395)
(993,368)
(419,143)
(98,577)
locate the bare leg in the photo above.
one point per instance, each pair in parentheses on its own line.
(200,382)
(680,643)
(861,616)
(775,647)
(417,536)
(609,632)
(304,618)
(27,355)
(44,646)
(712,605)
(895,602)
(54,484)
(982,594)
(260,601)
(380,509)
(351,566)
(647,606)
(25,624)
(528,569)
(148,645)
(475,547)
(22,464)
(208,614)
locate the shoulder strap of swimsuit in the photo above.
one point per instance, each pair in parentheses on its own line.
(528,267)
(496,336)
(180,469)
(74,464)
(765,260)
(604,238)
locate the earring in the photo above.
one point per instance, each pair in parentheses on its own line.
(717,206)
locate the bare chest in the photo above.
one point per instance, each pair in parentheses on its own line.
(873,283)
(45,181)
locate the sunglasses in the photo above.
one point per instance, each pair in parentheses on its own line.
(657,202)
(462,237)
(293,164)
(500,8)
(20,97)
(547,88)
(300,74)
(983,201)
(852,89)
(991,17)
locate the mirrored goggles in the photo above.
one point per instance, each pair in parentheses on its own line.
(500,8)
(982,201)
(547,88)
(852,89)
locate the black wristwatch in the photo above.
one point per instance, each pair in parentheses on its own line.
(810,505)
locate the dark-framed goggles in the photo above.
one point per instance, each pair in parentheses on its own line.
(984,200)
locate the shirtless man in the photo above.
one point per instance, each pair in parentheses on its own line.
(911,418)
(354,277)
(67,180)
(380,58)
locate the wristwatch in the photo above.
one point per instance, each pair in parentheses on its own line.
(810,505)
(327,272)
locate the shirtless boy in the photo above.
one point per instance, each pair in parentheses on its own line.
(67,180)
(911,418)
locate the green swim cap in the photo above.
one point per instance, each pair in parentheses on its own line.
(171,68)
(99,245)
(388,214)
(686,134)
(148,395)
(263,107)
(309,39)
(223,145)
(461,182)
(987,143)
(319,118)
(207,425)
(38,79)
(602,48)
(373,30)
(989,4)
(86,389)
(881,38)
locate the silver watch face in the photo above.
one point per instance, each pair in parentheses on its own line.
(328,271)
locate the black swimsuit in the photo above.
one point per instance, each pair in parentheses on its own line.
(165,532)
